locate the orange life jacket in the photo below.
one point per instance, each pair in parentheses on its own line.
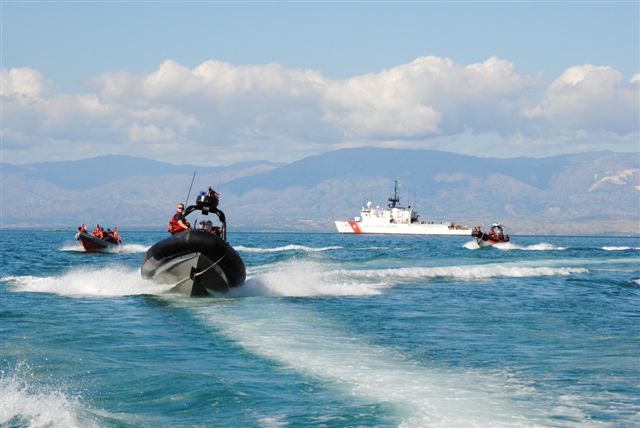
(174,226)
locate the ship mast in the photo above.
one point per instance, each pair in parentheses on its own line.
(394,199)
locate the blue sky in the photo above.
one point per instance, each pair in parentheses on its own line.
(71,55)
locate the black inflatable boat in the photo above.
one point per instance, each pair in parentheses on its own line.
(94,244)
(196,262)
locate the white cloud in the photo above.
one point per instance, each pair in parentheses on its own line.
(230,113)
(429,96)
(22,82)
(589,100)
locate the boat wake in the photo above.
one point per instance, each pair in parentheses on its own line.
(619,248)
(463,272)
(291,278)
(320,348)
(121,249)
(290,247)
(25,404)
(80,282)
(298,278)
(506,246)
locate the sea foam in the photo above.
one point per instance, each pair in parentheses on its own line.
(105,281)
(299,278)
(319,348)
(120,249)
(290,247)
(462,272)
(303,278)
(24,404)
(506,246)
(296,278)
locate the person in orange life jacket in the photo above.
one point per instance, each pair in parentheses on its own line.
(178,222)
(116,236)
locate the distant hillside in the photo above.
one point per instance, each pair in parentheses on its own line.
(589,193)
(416,168)
(93,172)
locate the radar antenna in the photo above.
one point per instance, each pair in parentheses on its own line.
(394,199)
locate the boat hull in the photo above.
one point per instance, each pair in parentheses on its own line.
(94,244)
(484,240)
(355,227)
(195,263)
(482,243)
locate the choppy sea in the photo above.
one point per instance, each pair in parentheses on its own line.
(329,330)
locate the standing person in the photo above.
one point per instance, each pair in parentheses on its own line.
(178,222)
(116,236)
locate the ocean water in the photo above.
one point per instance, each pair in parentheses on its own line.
(328,330)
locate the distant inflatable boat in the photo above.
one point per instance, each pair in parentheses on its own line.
(94,244)
(196,262)
(495,235)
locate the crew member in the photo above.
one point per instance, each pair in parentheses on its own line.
(178,222)
(116,236)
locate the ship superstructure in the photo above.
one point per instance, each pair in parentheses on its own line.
(397,220)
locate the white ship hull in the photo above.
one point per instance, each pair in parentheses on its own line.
(356,227)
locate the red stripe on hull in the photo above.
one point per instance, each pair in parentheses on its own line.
(355,227)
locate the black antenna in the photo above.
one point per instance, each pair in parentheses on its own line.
(394,199)
(186,201)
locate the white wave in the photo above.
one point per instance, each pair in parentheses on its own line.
(130,248)
(421,396)
(303,279)
(372,248)
(72,248)
(464,272)
(290,247)
(122,249)
(105,281)
(506,246)
(619,248)
(543,246)
(22,404)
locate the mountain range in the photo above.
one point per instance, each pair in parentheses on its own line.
(586,193)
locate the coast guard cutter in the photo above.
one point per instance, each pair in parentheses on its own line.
(397,220)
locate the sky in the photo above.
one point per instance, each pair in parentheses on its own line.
(213,83)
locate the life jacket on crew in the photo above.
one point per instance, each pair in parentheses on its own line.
(174,226)
(116,236)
